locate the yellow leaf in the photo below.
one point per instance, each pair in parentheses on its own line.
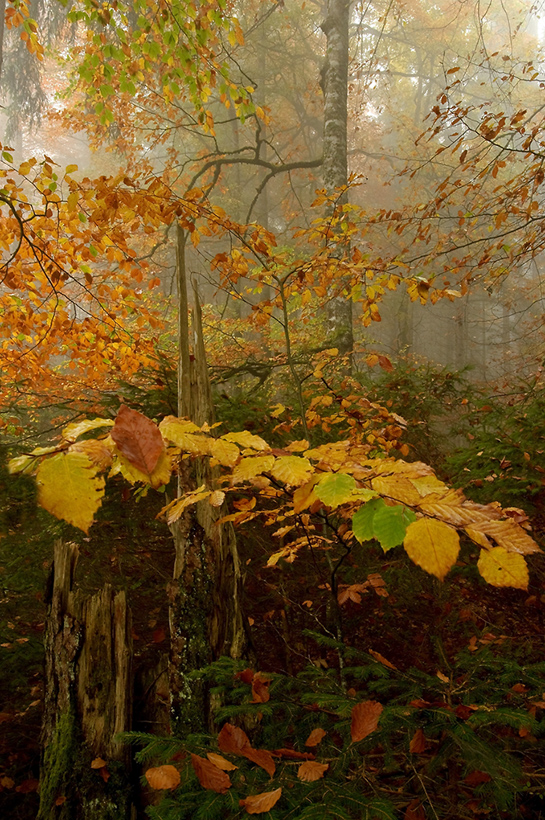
(70,169)
(250,467)
(500,568)
(217,498)
(432,545)
(509,535)
(159,477)
(73,431)
(163,777)
(225,452)
(175,510)
(246,439)
(97,450)
(292,470)
(304,496)
(69,488)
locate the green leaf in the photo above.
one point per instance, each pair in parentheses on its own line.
(390,525)
(69,488)
(362,521)
(335,489)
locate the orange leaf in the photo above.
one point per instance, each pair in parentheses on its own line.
(260,803)
(210,776)
(381,659)
(315,737)
(221,762)
(365,718)
(311,771)
(261,757)
(138,438)
(291,754)
(163,777)
(233,740)
(418,742)
(98,763)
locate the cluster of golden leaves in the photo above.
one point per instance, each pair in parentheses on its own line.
(406,502)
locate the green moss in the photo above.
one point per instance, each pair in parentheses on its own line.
(57,767)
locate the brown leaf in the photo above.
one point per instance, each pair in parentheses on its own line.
(381,659)
(260,803)
(315,737)
(418,742)
(233,740)
(476,778)
(210,776)
(163,777)
(138,438)
(261,757)
(98,763)
(221,762)
(260,688)
(30,785)
(415,811)
(311,771)
(104,773)
(365,718)
(291,754)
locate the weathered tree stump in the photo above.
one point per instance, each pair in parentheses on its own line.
(88,701)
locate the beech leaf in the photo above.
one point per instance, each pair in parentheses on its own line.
(221,762)
(210,776)
(262,758)
(260,803)
(433,545)
(69,488)
(163,777)
(418,742)
(311,771)
(315,737)
(335,489)
(500,568)
(365,718)
(138,438)
(233,740)
(292,470)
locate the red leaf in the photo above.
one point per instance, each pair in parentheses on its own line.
(210,776)
(30,785)
(159,635)
(385,363)
(415,811)
(246,676)
(365,717)
(476,778)
(262,758)
(260,803)
(233,740)
(260,689)
(138,438)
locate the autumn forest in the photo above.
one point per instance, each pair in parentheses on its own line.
(272,400)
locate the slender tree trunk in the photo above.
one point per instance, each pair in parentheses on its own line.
(88,701)
(335,164)
(205,613)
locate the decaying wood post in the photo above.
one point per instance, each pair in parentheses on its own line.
(88,700)
(205,612)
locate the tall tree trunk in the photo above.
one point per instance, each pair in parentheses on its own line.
(205,612)
(88,700)
(335,164)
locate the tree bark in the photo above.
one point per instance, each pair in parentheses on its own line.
(88,700)
(335,162)
(204,595)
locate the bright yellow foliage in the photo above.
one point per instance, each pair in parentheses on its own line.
(69,488)
(432,545)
